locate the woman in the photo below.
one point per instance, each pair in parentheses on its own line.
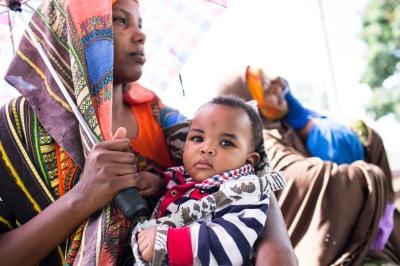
(44,210)
(336,214)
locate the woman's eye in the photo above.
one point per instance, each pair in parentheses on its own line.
(227,143)
(196,139)
(120,20)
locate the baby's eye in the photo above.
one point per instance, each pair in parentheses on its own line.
(227,143)
(196,139)
(120,20)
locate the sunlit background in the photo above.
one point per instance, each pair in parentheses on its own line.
(316,45)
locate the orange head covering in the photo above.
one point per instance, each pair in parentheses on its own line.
(259,88)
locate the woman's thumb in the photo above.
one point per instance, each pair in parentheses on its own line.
(120,133)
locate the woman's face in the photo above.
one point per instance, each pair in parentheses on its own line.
(128,41)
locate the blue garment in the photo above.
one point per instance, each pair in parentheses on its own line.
(328,139)
(170,117)
(298,115)
(334,142)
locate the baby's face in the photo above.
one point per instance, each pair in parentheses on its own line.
(219,139)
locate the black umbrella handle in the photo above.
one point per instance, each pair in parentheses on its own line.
(132,205)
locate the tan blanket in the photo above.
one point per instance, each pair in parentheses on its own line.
(332,211)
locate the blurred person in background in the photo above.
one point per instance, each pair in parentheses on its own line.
(338,203)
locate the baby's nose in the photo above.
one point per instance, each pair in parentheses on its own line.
(208,150)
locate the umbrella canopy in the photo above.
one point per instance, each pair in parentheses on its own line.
(11,30)
(173,29)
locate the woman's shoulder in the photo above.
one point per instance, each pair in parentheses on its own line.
(19,124)
(167,116)
(15,113)
(16,103)
(138,94)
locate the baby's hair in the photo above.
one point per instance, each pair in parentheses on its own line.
(255,120)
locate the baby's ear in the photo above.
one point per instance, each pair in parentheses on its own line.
(253,158)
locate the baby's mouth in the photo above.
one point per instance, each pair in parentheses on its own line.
(203,164)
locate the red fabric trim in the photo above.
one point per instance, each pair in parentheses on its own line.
(179,246)
(198,194)
(172,195)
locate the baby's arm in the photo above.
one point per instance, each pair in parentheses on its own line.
(229,237)
(146,240)
(143,241)
(225,240)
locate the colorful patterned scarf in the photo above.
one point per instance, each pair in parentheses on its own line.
(72,33)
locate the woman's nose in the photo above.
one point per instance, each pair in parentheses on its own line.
(208,150)
(138,36)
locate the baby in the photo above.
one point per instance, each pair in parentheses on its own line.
(214,206)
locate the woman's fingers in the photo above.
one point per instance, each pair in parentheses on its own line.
(120,133)
(122,157)
(123,169)
(118,157)
(114,145)
(109,168)
(125,181)
(147,192)
(149,183)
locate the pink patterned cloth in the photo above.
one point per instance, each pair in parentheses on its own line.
(173,29)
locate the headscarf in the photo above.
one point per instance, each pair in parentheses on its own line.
(267,92)
(73,34)
(250,83)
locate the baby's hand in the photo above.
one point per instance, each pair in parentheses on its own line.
(149,184)
(146,240)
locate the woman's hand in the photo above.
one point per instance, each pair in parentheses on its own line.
(109,167)
(149,184)
(146,240)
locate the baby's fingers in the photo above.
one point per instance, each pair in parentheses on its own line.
(147,254)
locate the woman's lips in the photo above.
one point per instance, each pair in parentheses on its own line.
(138,57)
